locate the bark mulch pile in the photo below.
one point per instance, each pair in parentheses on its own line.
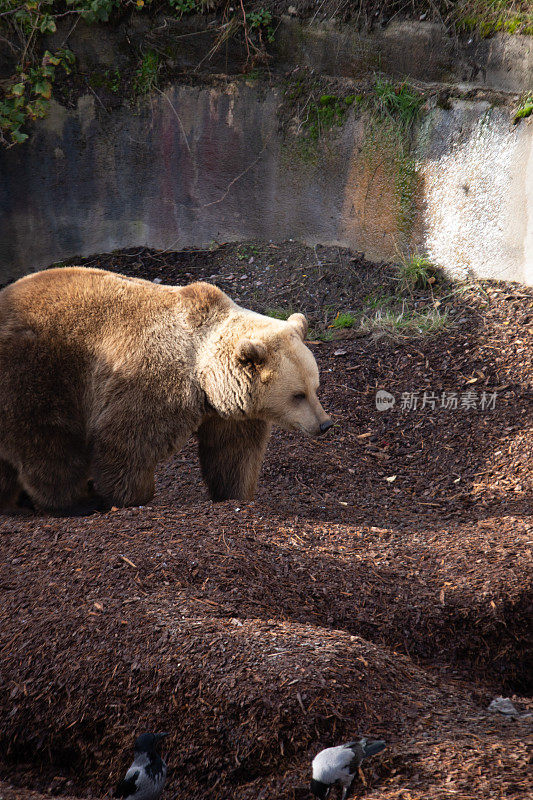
(379,584)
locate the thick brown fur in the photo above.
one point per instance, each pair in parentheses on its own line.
(103,376)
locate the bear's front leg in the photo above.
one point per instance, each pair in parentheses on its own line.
(131,431)
(10,487)
(55,468)
(122,477)
(231,455)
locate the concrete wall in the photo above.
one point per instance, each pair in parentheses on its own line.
(423,51)
(478,190)
(204,164)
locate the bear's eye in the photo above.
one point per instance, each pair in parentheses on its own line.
(299,396)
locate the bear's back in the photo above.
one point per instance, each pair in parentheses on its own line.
(98,319)
(85,300)
(79,302)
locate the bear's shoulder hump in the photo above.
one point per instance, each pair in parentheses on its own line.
(203,299)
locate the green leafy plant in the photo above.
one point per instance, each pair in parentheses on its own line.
(416,272)
(110,80)
(247,251)
(146,76)
(32,17)
(311,114)
(113,80)
(28,97)
(343,320)
(260,21)
(327,112)
(94,10)
(525,109)
(185,6)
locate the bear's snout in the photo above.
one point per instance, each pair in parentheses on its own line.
(320,423)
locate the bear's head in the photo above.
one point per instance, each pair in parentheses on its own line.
(265,371)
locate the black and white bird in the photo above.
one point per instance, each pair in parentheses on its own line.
(146,777)
(339,765)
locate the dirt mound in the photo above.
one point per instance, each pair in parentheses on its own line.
(240,696)
(379,584)
(243,697)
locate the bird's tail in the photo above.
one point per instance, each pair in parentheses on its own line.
(373,746)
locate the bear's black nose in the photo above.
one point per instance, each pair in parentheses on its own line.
(325,426)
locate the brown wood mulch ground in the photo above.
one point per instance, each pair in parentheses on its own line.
(379,584)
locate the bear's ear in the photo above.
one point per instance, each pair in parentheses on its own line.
(251,352)
(299,322)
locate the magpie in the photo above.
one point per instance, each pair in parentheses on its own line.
(146,777)
(339,765)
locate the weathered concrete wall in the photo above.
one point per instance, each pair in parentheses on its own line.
(478,190)
(205,164)
(421,50)
(200,164)
(164,174)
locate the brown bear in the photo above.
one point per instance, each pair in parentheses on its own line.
(103,376)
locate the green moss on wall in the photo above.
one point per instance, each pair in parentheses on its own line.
(393,110)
